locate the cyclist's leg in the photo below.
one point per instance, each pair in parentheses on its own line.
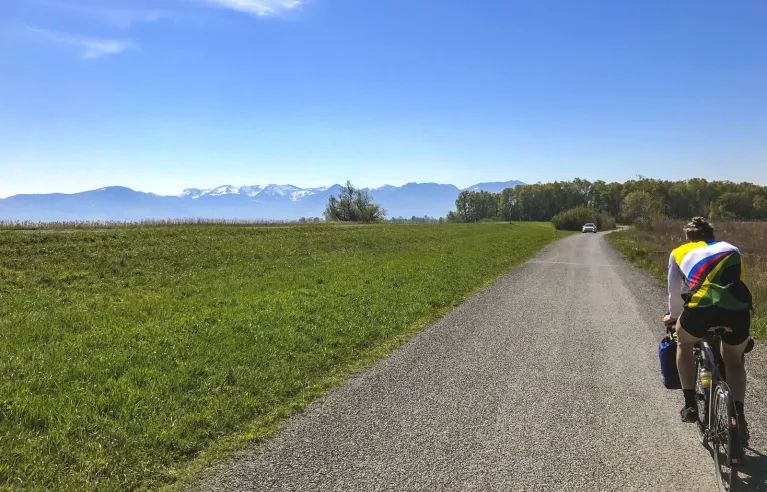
(736,371)
(734,342)
(685,363)
(734,345)
(736,378)
(685,358)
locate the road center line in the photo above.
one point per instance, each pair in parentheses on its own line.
(576,264)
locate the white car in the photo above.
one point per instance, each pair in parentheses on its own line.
(590,228)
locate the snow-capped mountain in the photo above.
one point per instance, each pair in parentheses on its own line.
(279,191)
(272,202)
(225,190)
(271,191)
(193,193)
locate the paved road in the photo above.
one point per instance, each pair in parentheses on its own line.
(548,380)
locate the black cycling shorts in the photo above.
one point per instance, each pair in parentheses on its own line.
(698,322)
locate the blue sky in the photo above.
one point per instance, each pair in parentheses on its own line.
(166,94)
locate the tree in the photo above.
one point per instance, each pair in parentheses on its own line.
(641,207)
(473,206)
(760,207)
(640,200)
(463,213)
(719,213)
(353,205)
(453,216)
(575,218)
(734,205)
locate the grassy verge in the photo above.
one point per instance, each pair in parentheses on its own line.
(133,357)
(650,250)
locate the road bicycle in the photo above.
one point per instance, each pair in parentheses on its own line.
(717,420)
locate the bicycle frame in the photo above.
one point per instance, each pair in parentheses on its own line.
(709,360)
(712,360)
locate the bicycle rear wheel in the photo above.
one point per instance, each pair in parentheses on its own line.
(724,438)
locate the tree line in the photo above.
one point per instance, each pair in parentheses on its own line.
(417,220)
(641,199)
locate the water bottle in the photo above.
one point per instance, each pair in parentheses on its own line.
(704,377)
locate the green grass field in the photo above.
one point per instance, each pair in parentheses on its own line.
(133,357)
(650,250)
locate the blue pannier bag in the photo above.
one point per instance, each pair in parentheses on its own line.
(667,356)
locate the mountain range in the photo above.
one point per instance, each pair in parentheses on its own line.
(271,202)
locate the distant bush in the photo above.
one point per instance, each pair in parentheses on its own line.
(416,220)
(453,217)
(608,223)
(353,205)
(575,218)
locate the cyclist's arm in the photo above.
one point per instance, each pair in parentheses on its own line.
(675,304)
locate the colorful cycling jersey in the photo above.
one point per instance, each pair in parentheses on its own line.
(704,274)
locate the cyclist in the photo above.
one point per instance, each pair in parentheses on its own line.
(706,290)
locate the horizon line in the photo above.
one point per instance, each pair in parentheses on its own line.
(253,186)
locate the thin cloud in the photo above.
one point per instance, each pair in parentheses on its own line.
(258,7)
(126,13)
(119,15)
(88,47)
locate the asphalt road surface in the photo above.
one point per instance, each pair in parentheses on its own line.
(547,380)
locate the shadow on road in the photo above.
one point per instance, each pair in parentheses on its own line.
(753,474)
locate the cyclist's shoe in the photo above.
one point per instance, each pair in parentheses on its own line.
(689,414)
(749,345)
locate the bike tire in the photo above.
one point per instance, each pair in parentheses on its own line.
(724,437)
